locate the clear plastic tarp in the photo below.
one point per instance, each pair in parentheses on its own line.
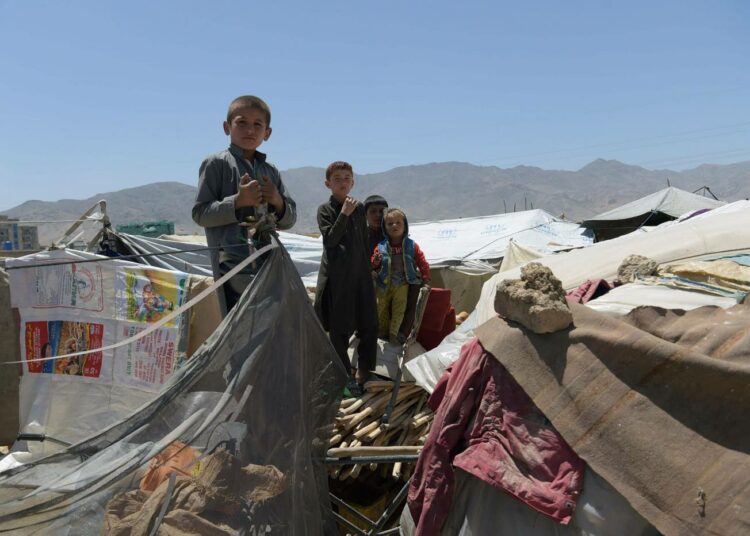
(244,423)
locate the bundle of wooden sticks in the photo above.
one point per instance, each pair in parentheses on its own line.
(359,427)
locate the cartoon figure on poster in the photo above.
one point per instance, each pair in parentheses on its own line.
(152,304)
(60,337)
(147,296)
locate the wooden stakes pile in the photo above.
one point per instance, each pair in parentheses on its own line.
(358,426)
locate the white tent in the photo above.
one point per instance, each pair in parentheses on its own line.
(488,237)
(447,242)
(653,209)
(721,231)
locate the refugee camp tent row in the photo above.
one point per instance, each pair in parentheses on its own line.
(642,409)
(213,401)
(462,252)
(72,301)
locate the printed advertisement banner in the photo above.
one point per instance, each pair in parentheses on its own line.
(71,286)
(148,362)
(148,295)
(59,337)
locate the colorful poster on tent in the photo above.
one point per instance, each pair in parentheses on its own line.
(72,286)
(148,295)
(60,337)
(147,362)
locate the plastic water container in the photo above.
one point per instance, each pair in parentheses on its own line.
(7,245)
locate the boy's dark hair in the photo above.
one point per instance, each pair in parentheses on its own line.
(335,166)
(375,200)
(249,101)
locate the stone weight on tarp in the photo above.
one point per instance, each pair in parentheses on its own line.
(537,300)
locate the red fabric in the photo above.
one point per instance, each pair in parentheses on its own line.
(487,426)
(437,306)
(422,265)
(590,289)
(439,318)
(430,338)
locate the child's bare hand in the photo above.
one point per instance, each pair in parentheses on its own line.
(349,205)
(377,260)
(250,194)
(270,193)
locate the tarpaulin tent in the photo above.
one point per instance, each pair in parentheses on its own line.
(454,248)
(264,386)
(716,233)
(654,405)
(488,237)
(71,301)
(653,209)
(712,234)
(305,251)
(517,255)
(443,241)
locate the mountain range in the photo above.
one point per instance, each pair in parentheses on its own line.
(426,192)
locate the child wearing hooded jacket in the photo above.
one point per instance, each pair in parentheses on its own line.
(398,262)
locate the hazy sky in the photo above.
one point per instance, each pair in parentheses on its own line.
(98,96)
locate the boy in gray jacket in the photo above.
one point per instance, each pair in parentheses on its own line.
(239,184)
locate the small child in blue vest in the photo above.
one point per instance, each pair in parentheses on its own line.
(398,262)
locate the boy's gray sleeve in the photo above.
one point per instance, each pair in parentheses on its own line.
(209,209)
(289,218)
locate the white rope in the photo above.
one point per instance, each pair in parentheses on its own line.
(153,327)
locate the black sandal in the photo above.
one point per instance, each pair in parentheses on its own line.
(355,389)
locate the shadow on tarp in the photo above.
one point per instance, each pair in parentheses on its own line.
(281,383)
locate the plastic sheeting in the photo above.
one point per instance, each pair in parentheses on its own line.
(464,281)
(305,252)
(670,201)
(622,300)
(724,273)
(442,241)
(487,237)
(478,509)
(517,255)
(71,301)
(427,368)
(270,384)
(715,233)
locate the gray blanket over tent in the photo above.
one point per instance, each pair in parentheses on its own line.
(657,403)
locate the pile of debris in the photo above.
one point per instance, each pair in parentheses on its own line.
(360,425)
(218,499)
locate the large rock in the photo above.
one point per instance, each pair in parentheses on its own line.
(537,300)
(636,266)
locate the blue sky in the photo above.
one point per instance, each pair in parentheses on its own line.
(99,96)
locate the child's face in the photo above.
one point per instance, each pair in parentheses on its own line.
(394,226)
(248,129)
(340,183)
(375,215)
